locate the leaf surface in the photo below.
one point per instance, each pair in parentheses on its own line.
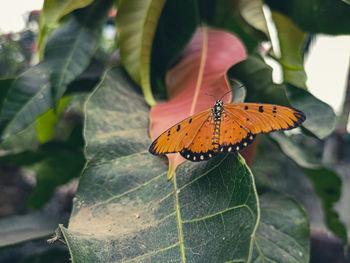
(283,232)
(70,48)
(27,98)
(52,12)
(201,70)
(136,24)
(291,41)
(327,183)
(126,210)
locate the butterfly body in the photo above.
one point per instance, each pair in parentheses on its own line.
(223,129)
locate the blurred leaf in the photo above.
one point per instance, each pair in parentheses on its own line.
(27,98)
(318,16)
(346,1)
(54,164)
(328,186)
(326,182)
(51,13)
(70,48)
(283,232)
(291,41)
(201,69)
(320,117)
(252,12)
(136,23)
(46,123)
(127,212)
(61,164)
(256,76)
(5,85)
(170,39)
(17,229)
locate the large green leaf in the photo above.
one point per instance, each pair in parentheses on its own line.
(291,42)
(137,23)
(5,85)
(126,210)
(326,182)
(283,232)
(52,12)
(27,98)
(70,48)
(317,16)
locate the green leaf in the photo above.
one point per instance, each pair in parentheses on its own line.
(170,39)
(136,24)
(54,164)
(46,123)
(326,182)
(126,210)
(291,41)
(27,98)
(18,229)
(52,12)
(317,16)
(283,232)
(70,48)
(5,85)
(320,117)
(256,76)
(252,12)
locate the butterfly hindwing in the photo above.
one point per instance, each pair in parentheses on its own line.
(201,147)
(234,136)
(180,135)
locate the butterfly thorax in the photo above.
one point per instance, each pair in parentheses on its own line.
(217,111)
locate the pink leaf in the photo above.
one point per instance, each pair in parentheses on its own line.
(202,69)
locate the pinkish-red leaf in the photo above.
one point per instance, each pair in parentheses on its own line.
(201,69)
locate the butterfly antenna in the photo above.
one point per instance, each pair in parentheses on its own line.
(211,95)
(225,94)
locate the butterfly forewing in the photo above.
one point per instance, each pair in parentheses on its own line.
(180,135)
(261,118)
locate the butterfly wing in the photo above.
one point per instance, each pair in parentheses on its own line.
(201,147)
(240,122)
(179,136)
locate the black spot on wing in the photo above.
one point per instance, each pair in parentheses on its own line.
(197,157)
(190,121)
(178,127)
(261,109)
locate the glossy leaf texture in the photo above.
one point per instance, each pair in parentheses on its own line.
(126,210)
(283,232)
(201,70)
(327,183)
(257,77)
(291,41)
(136,24)
(70,48)
(51,13)
(27,98)
(318,16)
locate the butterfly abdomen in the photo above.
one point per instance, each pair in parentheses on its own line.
(217,111)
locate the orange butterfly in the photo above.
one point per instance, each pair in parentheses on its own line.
(224,128)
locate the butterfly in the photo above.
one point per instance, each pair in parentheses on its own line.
(223,129)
